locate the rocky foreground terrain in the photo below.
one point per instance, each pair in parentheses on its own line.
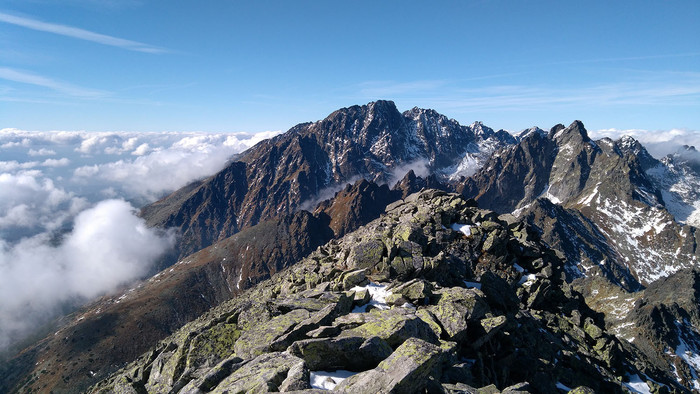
(436,295)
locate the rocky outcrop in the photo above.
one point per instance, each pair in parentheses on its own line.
(436,295)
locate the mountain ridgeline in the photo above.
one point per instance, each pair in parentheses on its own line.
(278,176)
(530,263)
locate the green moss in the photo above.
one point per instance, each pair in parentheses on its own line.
(394,328)
(592,330)
(367,254)
(213,345)
(493,323)
(258,338)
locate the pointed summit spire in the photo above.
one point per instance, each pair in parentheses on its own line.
(575,131)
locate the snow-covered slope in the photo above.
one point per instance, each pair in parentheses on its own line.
(679,183)
(610,184)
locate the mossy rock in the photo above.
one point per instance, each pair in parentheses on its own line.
(265,373)
(394,328)
(456,307)
(351,353)
(405,371)
(213,345)
(257,339)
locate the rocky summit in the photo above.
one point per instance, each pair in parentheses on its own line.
(437,295)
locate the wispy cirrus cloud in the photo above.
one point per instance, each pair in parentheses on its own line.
(81,34)
(21,76)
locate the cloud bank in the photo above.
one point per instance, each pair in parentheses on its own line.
(108,247)
(68,230)
(659,143)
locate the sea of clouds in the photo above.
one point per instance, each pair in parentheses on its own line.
(68,202)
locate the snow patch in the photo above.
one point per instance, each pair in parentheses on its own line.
(637,385)
(378,294)
(465,229)
(327,380)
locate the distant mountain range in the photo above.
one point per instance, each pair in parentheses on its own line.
(602,226)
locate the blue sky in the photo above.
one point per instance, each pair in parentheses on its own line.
(218,66)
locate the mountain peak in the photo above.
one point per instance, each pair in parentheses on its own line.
(628,145)
(382,106)
(576,131)
(555,129)
(530,131)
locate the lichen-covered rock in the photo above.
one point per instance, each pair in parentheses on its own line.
(354,278)
(212,377)
(499,293)
(352,353)
(213,345)
(257,340)
(592,329)
(394,328)
(405,371)
(415,290)
(431,320)
(267,372)
(520,388)
(367,254)
(456,308)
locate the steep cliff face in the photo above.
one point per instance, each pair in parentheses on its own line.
(662,321)
(612,216)
(280,175)
(436,295)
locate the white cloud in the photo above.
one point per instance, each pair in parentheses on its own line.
(41,152)
(88,144)
(150,175)
(419,167)
(43,263)
(31,203)
(658,142)
(141,150)
(62,162)
(108,247)
(9,166)
(24,142)
(81,34)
